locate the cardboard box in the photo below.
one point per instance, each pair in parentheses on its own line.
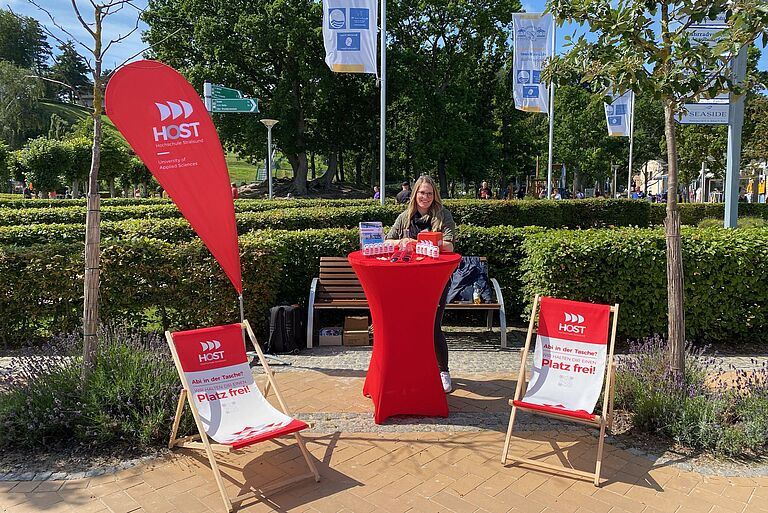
(330,337)
(353,323)
(356,338)
(356,331)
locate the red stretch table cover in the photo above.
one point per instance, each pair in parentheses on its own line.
(403,377)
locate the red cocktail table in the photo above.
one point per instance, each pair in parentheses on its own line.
(403,377)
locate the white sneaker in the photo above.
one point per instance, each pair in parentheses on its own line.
(446,379)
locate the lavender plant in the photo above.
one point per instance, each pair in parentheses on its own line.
(128,402)
(704,408)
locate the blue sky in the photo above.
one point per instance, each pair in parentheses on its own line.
(122,22)
(114,26)
(568,29)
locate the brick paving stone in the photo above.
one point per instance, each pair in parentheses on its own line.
(466,484)
(188,503)
(25,486)
(738,493)
(120,502)
(49,486)
(452,501)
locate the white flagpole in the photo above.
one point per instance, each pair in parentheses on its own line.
(383,107)
(631,142)
(551,117)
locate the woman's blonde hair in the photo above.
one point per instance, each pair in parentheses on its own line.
(435,209)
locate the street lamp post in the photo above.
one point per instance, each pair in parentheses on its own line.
(269,123)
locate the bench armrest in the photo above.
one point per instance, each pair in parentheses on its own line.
(311,311)
(502,312)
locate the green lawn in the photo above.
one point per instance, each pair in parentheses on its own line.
(70,113)
(73,114)
(243,171)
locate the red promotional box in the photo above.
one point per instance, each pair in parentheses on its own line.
(435,237)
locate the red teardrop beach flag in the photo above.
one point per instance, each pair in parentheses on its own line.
(161,116)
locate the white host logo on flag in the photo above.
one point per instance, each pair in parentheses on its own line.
(349,34)
(175,110)
(533,45)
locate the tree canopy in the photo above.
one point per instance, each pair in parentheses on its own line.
(70,68)
(19,116)
(23,42)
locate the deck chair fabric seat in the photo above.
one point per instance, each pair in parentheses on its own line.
(572,367)
(226,403)
(556,409)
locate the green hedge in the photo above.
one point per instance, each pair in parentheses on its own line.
(179,230)
(76,215)
(693,213)
(159,284)
(241,205)
(146,283)
(152,283)
(307,214)
(725,292)
(19,203)
(551,214)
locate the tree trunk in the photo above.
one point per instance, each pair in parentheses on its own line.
(92,222)
(312,163)
(75,189)
(443,180)
(327,178)
(576,181)
(111,182)
(645,176)
(300,167)
(374,166)
(675,307)
(358,168)
(298,163)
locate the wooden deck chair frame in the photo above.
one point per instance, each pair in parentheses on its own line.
(602,421)
(202,441)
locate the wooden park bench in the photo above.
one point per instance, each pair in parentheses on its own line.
(337,287)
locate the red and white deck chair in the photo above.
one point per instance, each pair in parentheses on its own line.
(227,405)
(572,358)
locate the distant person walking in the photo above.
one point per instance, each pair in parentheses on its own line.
(376,192)
(235,192)
(404,195)
(484,192)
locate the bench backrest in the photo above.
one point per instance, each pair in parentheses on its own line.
(338,280)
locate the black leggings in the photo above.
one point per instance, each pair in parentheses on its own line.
(441,346)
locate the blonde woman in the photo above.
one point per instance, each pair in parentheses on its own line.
(425,212)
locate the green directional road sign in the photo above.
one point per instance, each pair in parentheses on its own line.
(219,92)
(234,105)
